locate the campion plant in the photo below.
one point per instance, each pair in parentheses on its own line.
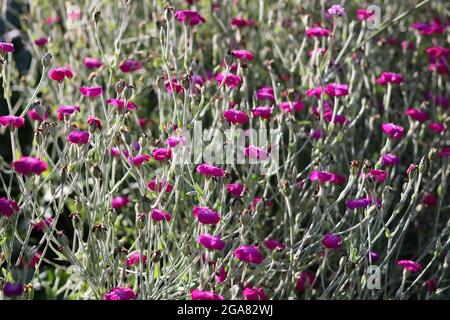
(232,149)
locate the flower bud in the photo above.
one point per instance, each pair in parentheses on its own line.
(128,92)
(229,58)
(168,13)
(432,154)
(46,59)
(186,82)
(156,256)
(423,165)
(290,95)
(140,221)
(120,86)
(96,15)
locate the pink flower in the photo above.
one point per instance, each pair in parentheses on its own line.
(35,116)
(120,293)
(140,159)
(336,89)
(58,74)
(40,42)
(438,52)
(130,65)
(240,22)
(314,92)
(249,254)
(91,92)
(43,224)
(66,110)
(264,112)
(78,137)
(120,104)
(197,294)
(211,242)
(374,256)
(317,32)
(236,189)
(332,241)
(316,134)
(173,85)
(306,278)
(265,93)
(296,106)
(8,207)
(257,200)
(378,175)
(92,63)
(29,165)
(256,153)
(440,67)
(418,115)
(221,276)
(337,118)
(429,199)
(392,130)
(444,152)
(273,244)
(119,202)
(12,121)
(162,154)
(254,294)
(210,170)
(6,47)
(390,77)
(235,116)
(336,10)
(431,284)
(436,127)
(352,204)
(231,81)
(325,176)
(428,29)
(410,265)
(243,55)
(161,183)
(94,122)
(363,14)
(389,159)
(191,17)
(135,258)
(159,215)
(206,215)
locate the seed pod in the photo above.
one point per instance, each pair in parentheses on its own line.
(96,16)
(120,86)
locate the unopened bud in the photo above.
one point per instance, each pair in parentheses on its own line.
(229,58)
(46,59)
(120,85)
(96,16)
(128,92)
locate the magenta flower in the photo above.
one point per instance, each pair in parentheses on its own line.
(8,207)
(35,116)
(162,154)
(119,202)
(436,127)
(332,241)
(240,22)
(159,215)
(256,153)
(58,74)
(91,92)
(161,183)
(410,265)
(389,77)
(221,275)
(243,55)
(94,122)
(254,294)
(92,63)
(314,92)
(78,137)
(438,52)
(306,278)
(12,121)
(444,152)
(12,289)
(325,176)
(173,141)
(66,110)
(364,14)
(429,200)
(249,254)
(379,176)
(336,90)
(235,116)
(197,294)
(120,293)
(173,85)
(41,42)
(6,47)
(29,166)
(418,115)
(273,244)
(211,242)
(206,215)
(189,16)
(210,170)
(316,134)
(296,106)
(431,284)
(140,159)
(130,65)
(352,204)
(374,256)
(392,130)
(389,159)
(135,259)
(337,118)
(43,224)
(317,32)
(236,189)
(265,93)
(120,104)
(257,200)
(264,112)
(232,80)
